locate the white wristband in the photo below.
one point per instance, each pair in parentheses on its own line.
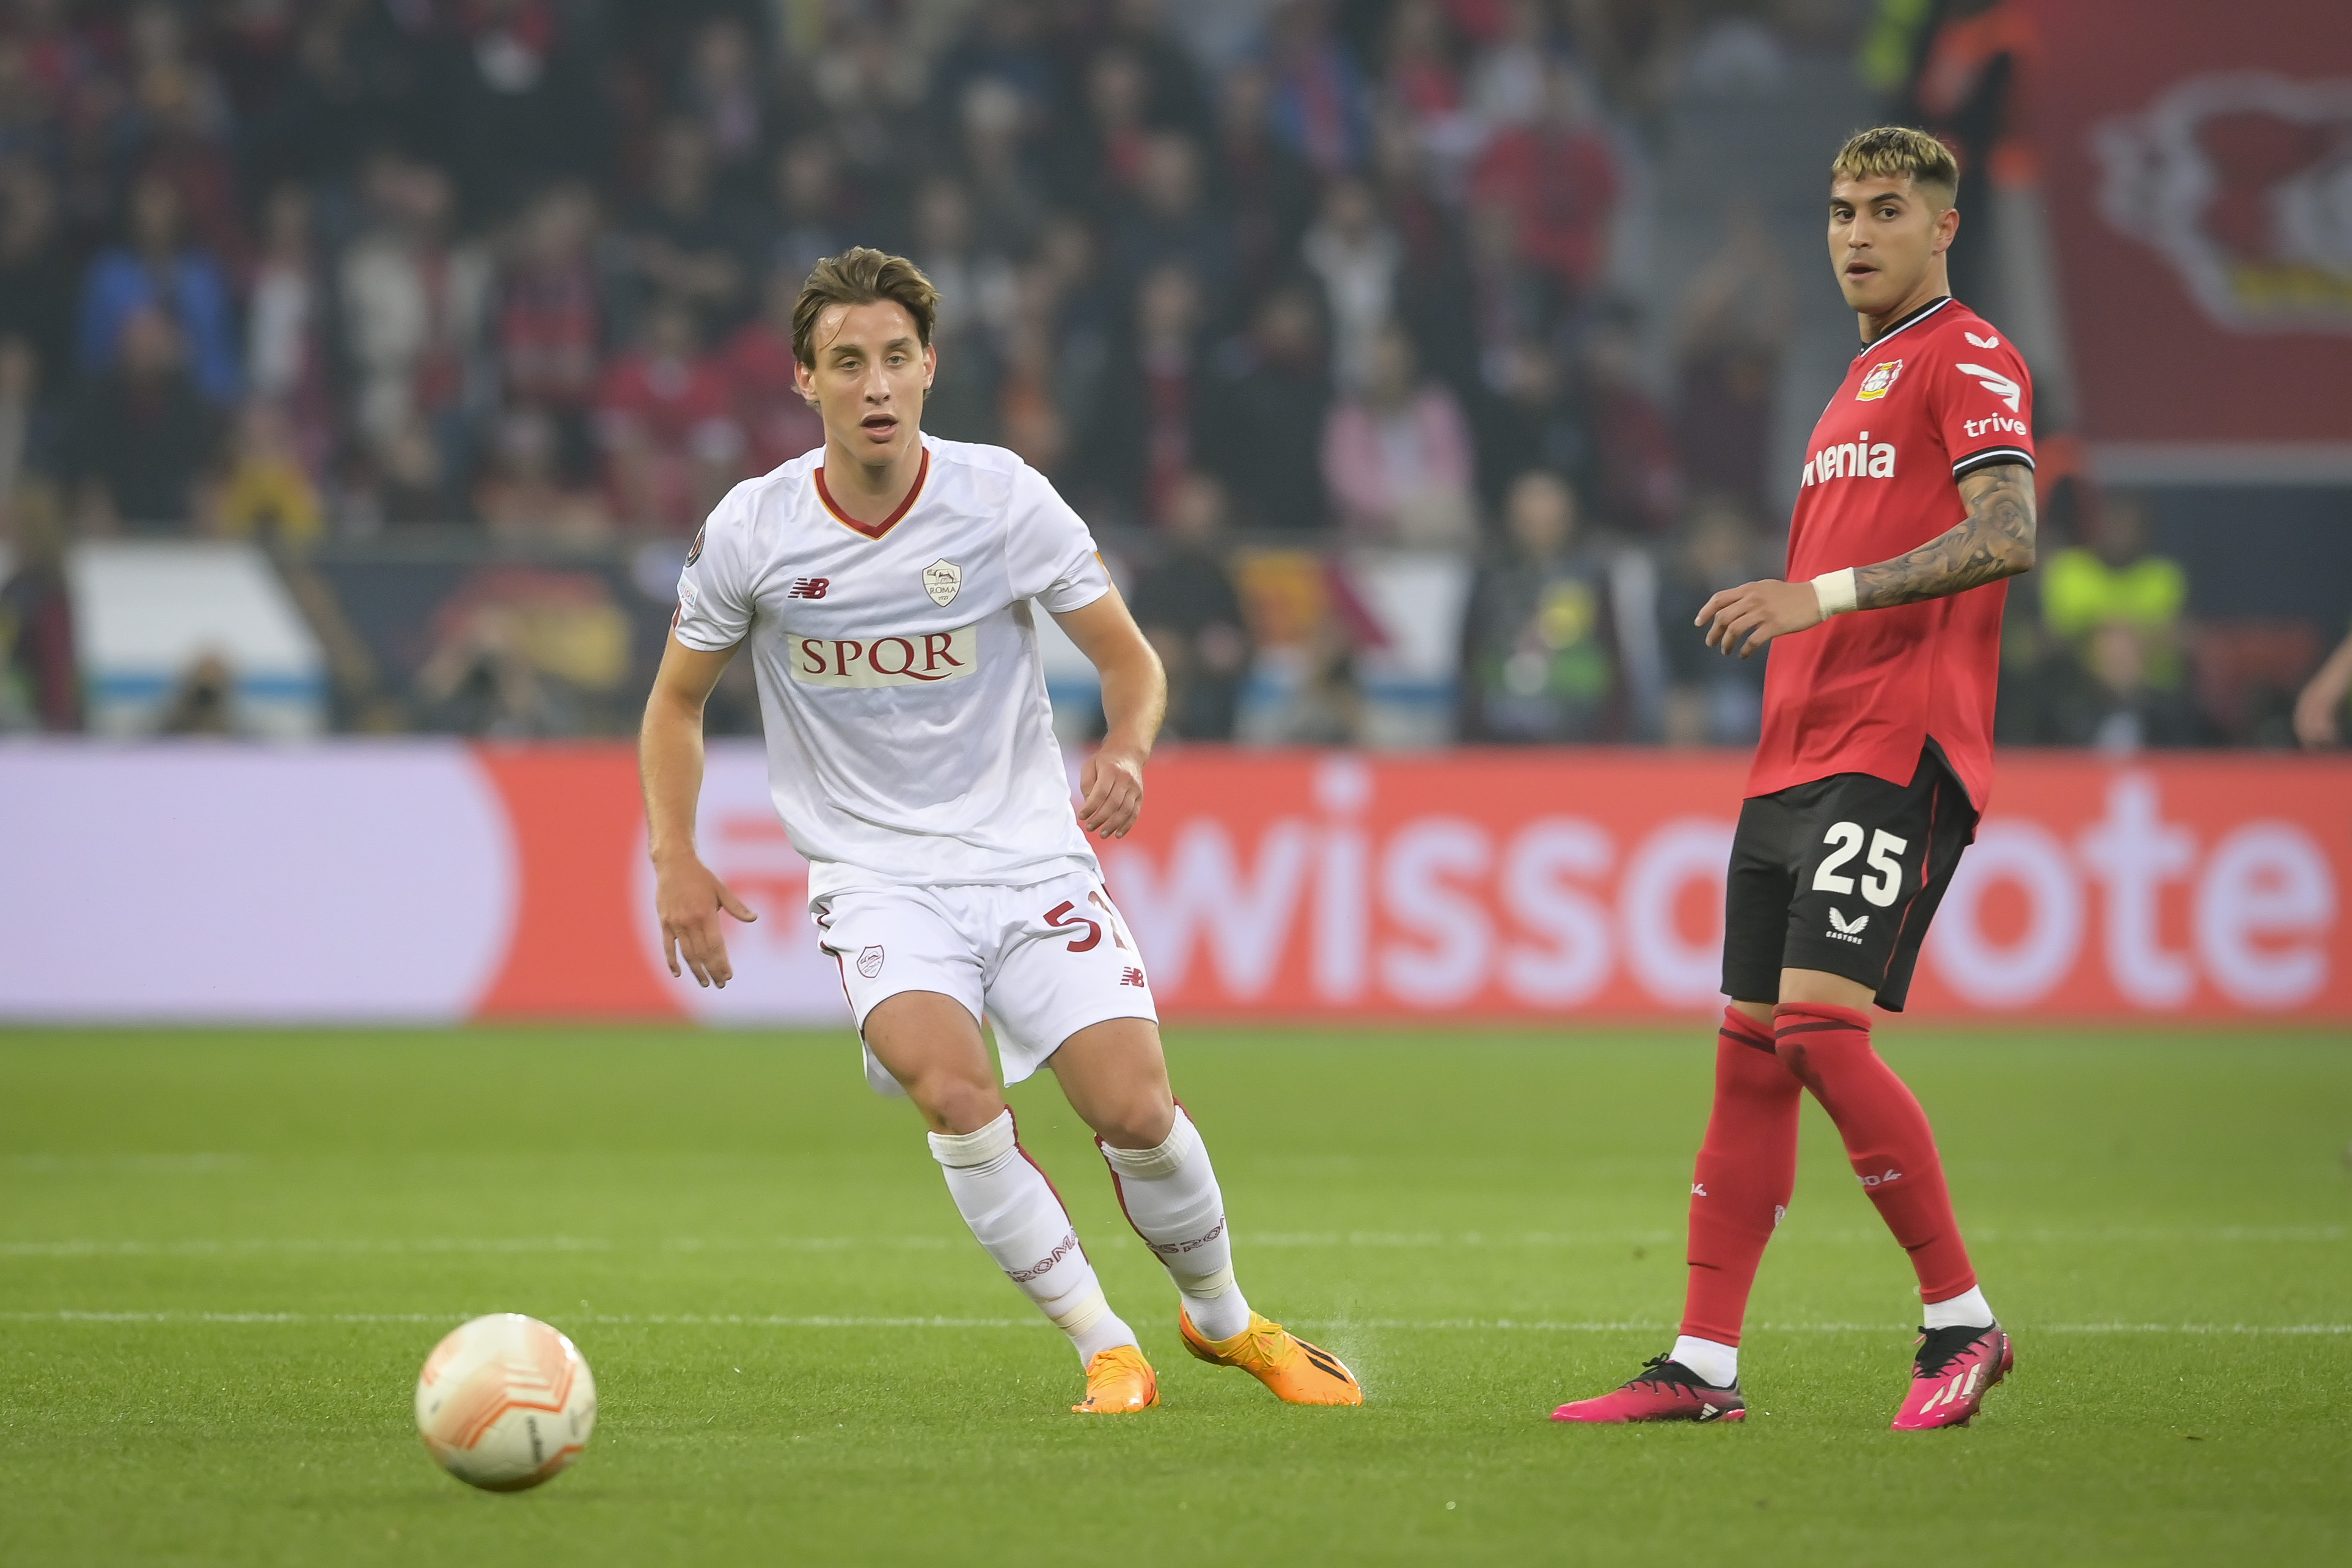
(1835,590)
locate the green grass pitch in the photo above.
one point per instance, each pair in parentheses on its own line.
(224,1255)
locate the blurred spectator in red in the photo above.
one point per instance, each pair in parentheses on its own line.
(1636,484)
(721,93)
(777,422)
(1397,456)
(1355,255)
(39,284)
(1266,416)
(156,268)
(36,635)
(1539,639)
(1321,110)
(285,327)
(681,243)
(141,437)
(1187,605)
(1559,177)
(1732,325)
(413,302)
(550,324)
(1263,190)
(525,495)
(1149,442)
(665,417)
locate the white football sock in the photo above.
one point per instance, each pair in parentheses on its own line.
(1014,1214)
(1171,1198)
(1718,1364)
(1965,1310)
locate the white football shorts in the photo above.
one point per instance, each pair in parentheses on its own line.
(1039,963)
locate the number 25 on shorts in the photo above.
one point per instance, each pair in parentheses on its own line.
(1884,863)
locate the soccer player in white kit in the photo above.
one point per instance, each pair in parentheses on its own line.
(882,585)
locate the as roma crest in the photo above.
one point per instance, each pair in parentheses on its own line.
(942,580)
(1881,377)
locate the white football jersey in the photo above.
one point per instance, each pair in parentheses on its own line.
(910,738)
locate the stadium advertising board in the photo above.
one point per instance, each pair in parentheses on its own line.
(2198,193)
(422,881)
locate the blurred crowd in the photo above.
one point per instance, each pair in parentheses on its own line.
(1256,282)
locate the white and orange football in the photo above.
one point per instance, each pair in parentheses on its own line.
(505,1402)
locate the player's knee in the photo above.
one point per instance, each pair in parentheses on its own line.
(1140,1120)
(954,1103)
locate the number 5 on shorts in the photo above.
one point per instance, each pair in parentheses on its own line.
(1884,861)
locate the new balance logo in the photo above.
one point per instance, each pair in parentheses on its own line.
(1992,381)
(1132,977)
(809,588)
(1841,929)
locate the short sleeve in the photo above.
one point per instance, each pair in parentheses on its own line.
(1049,552)
(715,589)
(1985,405)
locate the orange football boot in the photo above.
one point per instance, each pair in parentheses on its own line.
(1299,1373)
(1119,1382)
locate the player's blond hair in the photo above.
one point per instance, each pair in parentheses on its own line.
(862,275)
(1898,152)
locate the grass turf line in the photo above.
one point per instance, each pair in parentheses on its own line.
(265,1230)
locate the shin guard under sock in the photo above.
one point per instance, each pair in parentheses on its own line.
(1016,1216)
(1170,1197)
(1746,1171)
(1887,1136)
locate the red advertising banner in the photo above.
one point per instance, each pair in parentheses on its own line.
(437,881)
(2198,169)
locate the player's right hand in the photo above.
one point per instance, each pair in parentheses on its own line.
(689,897)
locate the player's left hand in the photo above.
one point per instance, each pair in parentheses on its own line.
(1110,791)
(1742,620)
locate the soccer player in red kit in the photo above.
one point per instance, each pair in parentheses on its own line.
(1875,761)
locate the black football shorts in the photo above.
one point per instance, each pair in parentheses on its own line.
(1842,874)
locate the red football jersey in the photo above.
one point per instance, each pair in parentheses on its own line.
(1939,395)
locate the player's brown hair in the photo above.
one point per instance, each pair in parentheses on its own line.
(862,275)
(1894,151)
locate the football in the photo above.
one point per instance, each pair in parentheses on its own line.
(505,1402)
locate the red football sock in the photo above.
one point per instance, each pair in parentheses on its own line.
(1746,1170)
(1886,1137)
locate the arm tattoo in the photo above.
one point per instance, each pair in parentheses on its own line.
(1996,541)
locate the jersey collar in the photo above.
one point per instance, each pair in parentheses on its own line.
(1905,324)
(876,530)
